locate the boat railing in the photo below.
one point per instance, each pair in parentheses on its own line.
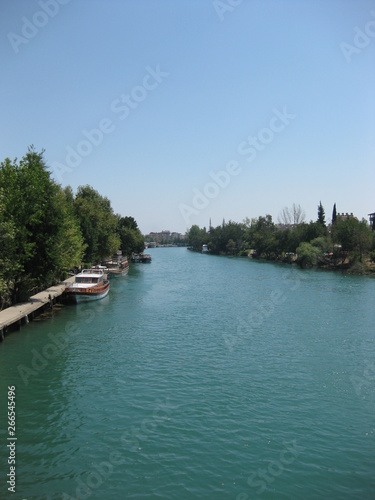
(93,290)
(92,271)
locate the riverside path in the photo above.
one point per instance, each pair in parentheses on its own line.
(24,311)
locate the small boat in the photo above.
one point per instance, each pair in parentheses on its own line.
(116,268)
(89,284)
(141,257)
(204,248)
(117,265)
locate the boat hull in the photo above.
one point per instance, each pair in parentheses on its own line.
(87,294)
(118,272)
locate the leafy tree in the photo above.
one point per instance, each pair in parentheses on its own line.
(10,266)
(222,235)
(196,237)
(131,239)
(354,236)
(308,255)
(70,242)
(322,242)
(262,237)
(98,224)
(230,247)
(36,209)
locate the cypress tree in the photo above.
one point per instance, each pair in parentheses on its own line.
(334,214)
(321,214)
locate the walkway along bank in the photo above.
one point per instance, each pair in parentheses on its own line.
(13,317)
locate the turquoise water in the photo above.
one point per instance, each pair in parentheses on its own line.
(198,377)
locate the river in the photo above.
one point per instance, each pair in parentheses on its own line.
(197,377)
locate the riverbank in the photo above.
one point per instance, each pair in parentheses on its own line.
(367,267)
(342,265)
(20,314)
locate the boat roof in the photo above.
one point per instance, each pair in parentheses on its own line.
(95,273)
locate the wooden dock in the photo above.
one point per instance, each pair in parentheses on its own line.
(25,311)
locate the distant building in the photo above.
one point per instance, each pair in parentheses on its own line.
(372,221)
(346,216)
(164,237)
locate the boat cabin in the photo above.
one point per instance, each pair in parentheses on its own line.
(88,276)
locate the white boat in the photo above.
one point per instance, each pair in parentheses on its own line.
(204,248)
(89,284)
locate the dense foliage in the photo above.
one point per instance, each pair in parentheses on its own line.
(131,239)
(45,230)
(341,244)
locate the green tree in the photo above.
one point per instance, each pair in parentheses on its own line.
(334,214)
(231,247)
(10,266)
(262,237)
(131,239)
(36,209)
(322,243)
(98,224)
(354,236)
(220,237)
(308,255)
(71,245)
(196,237)
(321,214)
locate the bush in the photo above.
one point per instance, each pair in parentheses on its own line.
(308,255)
(357,268)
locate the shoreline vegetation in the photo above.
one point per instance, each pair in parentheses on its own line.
(47,231)
(345,244)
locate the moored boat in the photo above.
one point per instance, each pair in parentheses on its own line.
(141,257)
(89,284)
(117,268)
(118,265)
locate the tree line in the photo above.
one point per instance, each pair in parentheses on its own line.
(46,230)
(343,243)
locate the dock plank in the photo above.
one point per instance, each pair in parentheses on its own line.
(18,312)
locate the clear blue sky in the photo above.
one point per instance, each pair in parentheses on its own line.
(224,71)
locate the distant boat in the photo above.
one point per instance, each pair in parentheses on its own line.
(204,248)
(117,268)
(89,284)
(118,265)
(141,257)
